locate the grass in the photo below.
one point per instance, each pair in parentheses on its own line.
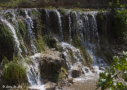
(40,44)
(14,72)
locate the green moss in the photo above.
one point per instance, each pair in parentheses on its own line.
(62,68)
(23,49)
(86,56)
(50,41)
(62,10)
(76,41)
(35,13)
(50,7)
(22,28)
(7,42)
(40,44)
(14,72)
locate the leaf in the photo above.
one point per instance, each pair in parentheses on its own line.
(116,58)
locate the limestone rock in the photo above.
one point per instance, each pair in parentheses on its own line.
(76,73)
(71,80)
(50,86)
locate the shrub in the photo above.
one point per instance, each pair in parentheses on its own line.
(111,77)
(121,23)
(14,72)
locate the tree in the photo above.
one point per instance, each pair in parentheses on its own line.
(108,79)
(114,4)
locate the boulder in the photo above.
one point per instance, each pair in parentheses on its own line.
(50,65)
(76,73)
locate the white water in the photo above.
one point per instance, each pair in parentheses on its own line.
(73,56)
(33,73)
(47,17)
(14,35)
(60,23)
(70,29)
(29,22)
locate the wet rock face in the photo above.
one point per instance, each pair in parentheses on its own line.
(50,65)
(76,73)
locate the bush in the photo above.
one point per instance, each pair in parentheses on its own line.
(50,41)
(111,77)
(121,23)
(14,72)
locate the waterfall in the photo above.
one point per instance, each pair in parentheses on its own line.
(79,24)
(60,23)
(14,35)
(29,25)
(33,73)
(70,28)
(29,22)
(47,17)
(91,39)
(72,56)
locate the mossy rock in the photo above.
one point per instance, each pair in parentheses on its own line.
(86,56)
(7,42)
(50,41)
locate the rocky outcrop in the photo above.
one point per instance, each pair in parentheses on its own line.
(50,65)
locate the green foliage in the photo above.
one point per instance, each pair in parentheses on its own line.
(108,78)
(50,41)
(63,69)
(16,2)
(14,72)
(121,23)
(114,4)
(86,56)
(50,7)
(78,3)
(62,11)
(6,42)
(40,44)
(22,28)
(77,42)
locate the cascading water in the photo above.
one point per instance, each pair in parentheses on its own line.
(70,28)
(33,74)
(17,47)
(91,39)
(47,17)
(82,24)
(60,23)
(30,32)
(72,56)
